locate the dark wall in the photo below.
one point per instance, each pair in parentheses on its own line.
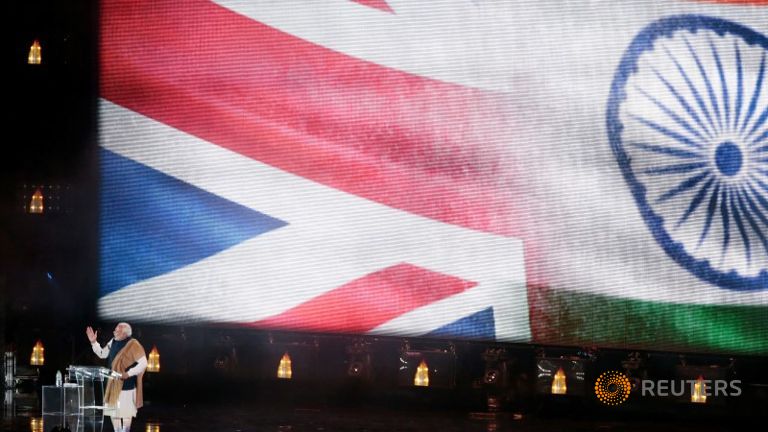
(48,262)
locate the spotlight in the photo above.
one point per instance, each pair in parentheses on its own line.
(355,369)
(491,376)
(358,359)
(496,367)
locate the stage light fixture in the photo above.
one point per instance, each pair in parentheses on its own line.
(491,376)
(355,369)
(38,354)
(497,363)
(358,359)
(35,53)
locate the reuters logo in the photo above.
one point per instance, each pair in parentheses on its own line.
(612,388)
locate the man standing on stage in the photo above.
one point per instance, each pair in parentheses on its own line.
(125,356)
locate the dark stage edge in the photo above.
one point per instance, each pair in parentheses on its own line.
(253,417)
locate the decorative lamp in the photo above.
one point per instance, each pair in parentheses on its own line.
(422,375)
(699,394)
(153,363)
(558,383)
(36,203)
(35,56)
(38,355)
(284,370)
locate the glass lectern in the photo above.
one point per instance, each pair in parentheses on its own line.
(91,379)
(78,404)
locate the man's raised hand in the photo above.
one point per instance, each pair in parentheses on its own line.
(91,334)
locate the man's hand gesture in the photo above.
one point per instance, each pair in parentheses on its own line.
(91,334)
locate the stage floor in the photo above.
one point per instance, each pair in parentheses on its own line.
(259,417)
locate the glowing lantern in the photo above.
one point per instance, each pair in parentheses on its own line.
(699,394)
(38,355)
(36,204)
(152,427)
(558,383)
(422,375)
(153,364)
(284,370)
(35,56)
(36,424)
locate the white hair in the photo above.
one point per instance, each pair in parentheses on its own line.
(126,328)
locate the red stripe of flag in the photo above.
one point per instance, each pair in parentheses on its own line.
(378,4)
(364,304)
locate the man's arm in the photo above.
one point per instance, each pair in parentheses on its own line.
(99,351)
(141,366)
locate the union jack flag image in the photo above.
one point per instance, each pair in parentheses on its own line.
(251,177)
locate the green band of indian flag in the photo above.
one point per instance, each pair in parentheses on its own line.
(569,318)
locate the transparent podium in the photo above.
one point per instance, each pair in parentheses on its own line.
(79,404)
(91,379)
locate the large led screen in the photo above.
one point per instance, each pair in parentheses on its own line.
(557,172)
